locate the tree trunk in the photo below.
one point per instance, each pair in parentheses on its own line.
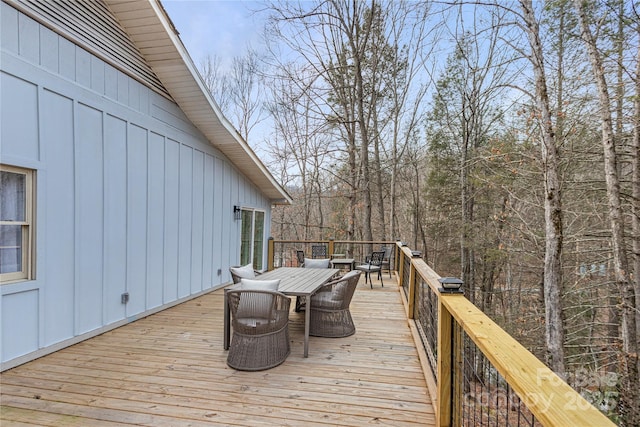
(466,202)
(379,193)
(554,325)
(358,45)
(635,207)
(393,228)
(629,395)
(353,182)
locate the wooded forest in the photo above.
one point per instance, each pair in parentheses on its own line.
(502,139)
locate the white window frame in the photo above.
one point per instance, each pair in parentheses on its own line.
(27,227)
(252,241)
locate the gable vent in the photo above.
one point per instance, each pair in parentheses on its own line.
(90,24)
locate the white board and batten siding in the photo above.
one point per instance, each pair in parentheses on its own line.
(130,196)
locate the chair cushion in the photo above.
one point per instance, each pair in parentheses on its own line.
(316,263)
(259,285)
(256,305)
(368,267)
(244,272)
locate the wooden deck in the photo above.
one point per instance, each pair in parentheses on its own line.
(169,369)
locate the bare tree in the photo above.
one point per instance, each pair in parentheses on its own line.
(246,93)
(315,32)
(629,397)
(554,325)
(408,86)
(302,150)
(238,91)
(368,60)
(635,164)
(216,81)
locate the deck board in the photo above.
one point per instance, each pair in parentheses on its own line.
(169,369)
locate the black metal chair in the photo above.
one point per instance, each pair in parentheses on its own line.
(386,261)
(319,251)
(372,264)
(300,256)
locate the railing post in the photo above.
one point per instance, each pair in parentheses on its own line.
(270,254)
(396,256)
(331,248)
(400,267)
(445,338)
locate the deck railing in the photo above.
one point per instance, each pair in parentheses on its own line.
(282,253)
(476,372)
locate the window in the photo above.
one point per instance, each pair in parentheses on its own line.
(16,223)
(252,238)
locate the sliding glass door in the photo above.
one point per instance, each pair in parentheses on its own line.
(252,238)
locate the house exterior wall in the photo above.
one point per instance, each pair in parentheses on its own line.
(130,196)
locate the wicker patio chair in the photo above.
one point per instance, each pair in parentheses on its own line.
(310,263)
(239,272)
(330,315)
(260,321)
(373,264)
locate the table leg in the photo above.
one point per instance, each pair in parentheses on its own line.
(307,319)
(226,322)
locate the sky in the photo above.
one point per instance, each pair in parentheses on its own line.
(222,28)
(215,27)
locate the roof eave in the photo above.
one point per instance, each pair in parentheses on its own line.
(171,62)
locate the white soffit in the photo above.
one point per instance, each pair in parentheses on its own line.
(149,26)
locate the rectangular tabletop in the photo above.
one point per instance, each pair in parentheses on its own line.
(294,281)
(298,281)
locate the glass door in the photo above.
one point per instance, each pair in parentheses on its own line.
(252,238)
(258,239)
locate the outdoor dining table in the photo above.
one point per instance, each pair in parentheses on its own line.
(294,281)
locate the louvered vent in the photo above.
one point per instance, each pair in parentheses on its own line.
(91,23)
